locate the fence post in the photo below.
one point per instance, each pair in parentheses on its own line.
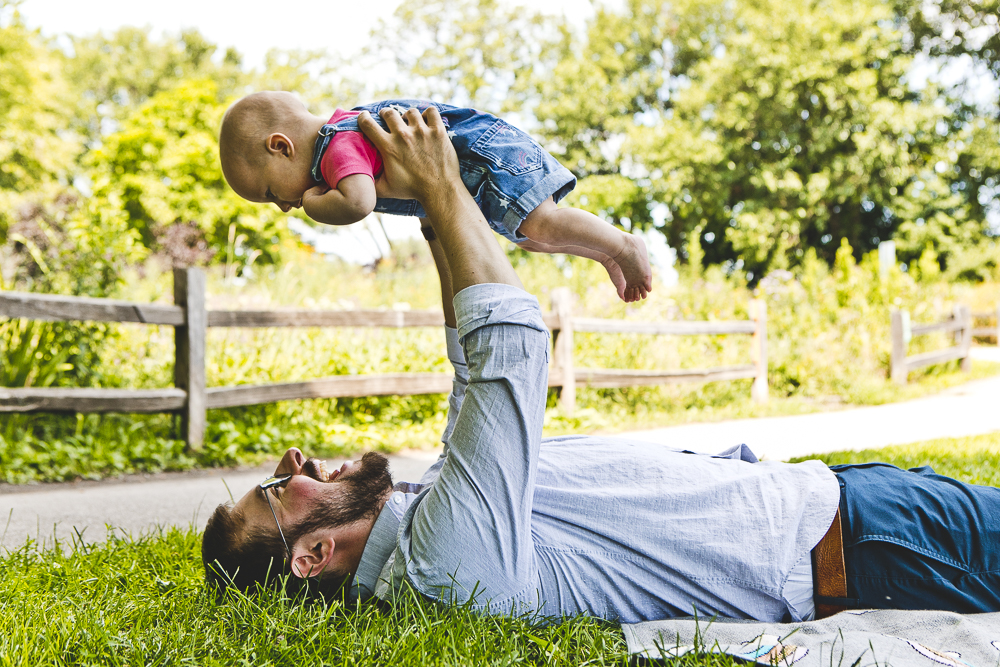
(562,348)
(189,346)
(758,390)
(964,315)
(897,358)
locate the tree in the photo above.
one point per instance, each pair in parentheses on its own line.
(115,73)
(35,148)
(770,127)
(950,28)
(161,169)
(468,52)
(51,239)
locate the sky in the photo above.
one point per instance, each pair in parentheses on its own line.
(251,26)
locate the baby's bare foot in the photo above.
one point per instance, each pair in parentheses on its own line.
(616,275)
(634,265)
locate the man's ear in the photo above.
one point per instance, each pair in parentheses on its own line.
(312,554)
(279,144)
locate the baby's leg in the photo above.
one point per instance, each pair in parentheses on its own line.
(577,232)
(614,271)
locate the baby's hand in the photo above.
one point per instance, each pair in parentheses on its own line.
(352,200)
(312,193)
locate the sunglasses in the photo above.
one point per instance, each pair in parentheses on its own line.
(270,483)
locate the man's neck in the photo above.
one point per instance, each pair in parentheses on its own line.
(358,534)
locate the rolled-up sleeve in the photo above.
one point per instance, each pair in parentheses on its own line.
(456,355)
(471,531)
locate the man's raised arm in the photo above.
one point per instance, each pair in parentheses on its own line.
(469,533)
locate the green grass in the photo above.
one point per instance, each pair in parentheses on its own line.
(143,601)
(973,459)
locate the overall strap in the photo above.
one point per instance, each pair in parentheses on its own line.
(327,132)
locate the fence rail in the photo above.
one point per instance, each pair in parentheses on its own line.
(987,331)
(191,399)
(960,323)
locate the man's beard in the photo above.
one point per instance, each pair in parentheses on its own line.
(358,498)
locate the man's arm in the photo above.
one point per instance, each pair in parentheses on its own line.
(444,275)
(456,355)
(470,533)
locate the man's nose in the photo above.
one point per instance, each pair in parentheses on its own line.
(291,462)
(285,206)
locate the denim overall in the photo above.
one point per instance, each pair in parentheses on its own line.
(505,170)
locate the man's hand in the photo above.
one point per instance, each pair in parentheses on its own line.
(418,158)
(420,163)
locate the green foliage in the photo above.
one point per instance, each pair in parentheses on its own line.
(461,52)
(33,354)
(775,127)
(113,74)
(108,152)
(34,149)
(953,28)
(604,84)
(795,130)
(162,169)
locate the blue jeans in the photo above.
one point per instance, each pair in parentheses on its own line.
(917,540)
(504,169)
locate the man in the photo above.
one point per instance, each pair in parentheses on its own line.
(509,523)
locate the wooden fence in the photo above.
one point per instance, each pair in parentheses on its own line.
(190,398)
(960,323)
(988,331)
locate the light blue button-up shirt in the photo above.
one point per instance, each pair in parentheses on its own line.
(508,522)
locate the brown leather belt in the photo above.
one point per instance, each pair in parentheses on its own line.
(830,575)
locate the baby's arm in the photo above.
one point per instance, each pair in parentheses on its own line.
(352,200)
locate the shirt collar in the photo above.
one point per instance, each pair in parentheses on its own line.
(382,540)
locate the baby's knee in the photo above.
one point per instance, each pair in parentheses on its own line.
(537,225)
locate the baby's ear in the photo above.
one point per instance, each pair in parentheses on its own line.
(279,144)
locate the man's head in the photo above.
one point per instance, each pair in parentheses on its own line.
(325,519)
(266,147)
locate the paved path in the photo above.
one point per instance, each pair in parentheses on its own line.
(969,409)
(44,511)
(134,505)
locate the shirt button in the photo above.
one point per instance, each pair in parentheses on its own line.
(397,499)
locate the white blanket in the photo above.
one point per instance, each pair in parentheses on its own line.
(857,637)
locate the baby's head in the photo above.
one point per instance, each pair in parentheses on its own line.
(266,146)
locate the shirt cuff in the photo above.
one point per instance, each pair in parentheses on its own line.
(489,304)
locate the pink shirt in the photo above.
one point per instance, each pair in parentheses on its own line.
(348,153)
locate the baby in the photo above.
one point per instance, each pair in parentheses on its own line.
(274,150)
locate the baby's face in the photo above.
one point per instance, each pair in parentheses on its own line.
(279,180)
